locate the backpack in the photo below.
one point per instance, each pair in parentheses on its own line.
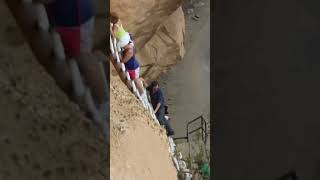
(166,109)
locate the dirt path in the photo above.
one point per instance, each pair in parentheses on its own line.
(187,85)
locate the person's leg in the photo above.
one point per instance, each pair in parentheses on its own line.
(86,36)
(138,81)
(139,86)
(160,119)
(70,37)
(142,91)
(89,64)
(160,116)
(94,77)
(168,127)
(134,75)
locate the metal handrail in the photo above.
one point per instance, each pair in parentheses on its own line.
(203,128)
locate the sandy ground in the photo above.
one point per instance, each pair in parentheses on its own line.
(42,134)
(187,85)
(138,146)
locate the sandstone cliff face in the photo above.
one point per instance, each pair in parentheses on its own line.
(158,28)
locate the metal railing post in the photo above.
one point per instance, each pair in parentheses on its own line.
(187,132)
(206,133)
(202,128)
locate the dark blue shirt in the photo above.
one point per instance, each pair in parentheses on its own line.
(157,97)
(70,13)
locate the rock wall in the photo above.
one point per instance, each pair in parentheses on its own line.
(158,28)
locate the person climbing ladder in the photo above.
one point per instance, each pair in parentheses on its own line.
(128,53)
(129,59)
(123,37)
(74,21)
(157,101)
(133,67)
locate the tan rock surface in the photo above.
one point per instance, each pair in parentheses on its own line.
(165,48)
(158,28)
